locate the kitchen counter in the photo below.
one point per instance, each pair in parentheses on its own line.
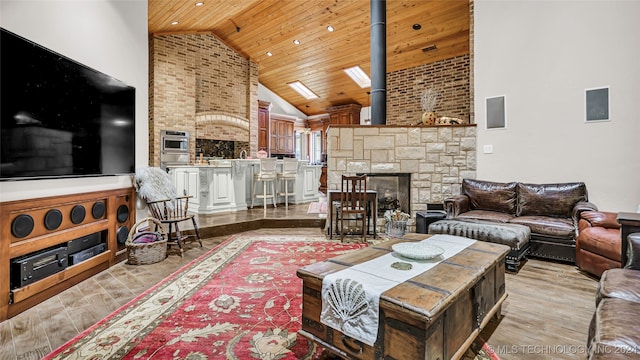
(226,185)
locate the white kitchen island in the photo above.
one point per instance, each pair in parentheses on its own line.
(226,185)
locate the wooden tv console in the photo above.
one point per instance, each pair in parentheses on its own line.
(30,226)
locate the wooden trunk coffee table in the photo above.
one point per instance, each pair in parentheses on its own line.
(435,315)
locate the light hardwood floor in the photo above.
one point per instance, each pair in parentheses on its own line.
(546,315)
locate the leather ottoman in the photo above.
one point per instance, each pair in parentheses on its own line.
(513,235)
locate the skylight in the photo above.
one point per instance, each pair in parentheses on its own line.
(360,77)
(303,90)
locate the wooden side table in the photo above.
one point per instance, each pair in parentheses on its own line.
(630,224)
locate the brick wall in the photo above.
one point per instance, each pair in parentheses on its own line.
(197,73)
(216,126)
(472,113)
(450,77)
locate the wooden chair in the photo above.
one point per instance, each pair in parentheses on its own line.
(353,204)
(172,213)
(155,187)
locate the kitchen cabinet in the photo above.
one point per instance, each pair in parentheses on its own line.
(311,181)
(263,125)
(213,185)
(348,114)
(282,137)
(227,185)
(186,181)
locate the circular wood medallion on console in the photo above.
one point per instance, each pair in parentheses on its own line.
(78,213)
(22,225)
(123,234)
(122,213)
(97,210)
(52,219)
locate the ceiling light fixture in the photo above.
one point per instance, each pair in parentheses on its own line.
(269,53)
(199,3)
(303,90)
(297,42)
(416,27)
(359,76)
(174,23)
(330,28)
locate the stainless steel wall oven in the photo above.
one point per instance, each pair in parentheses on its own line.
(174,148)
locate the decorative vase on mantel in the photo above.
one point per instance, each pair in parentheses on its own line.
(429,118)
(428,101)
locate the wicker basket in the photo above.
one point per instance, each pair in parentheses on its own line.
(146,253)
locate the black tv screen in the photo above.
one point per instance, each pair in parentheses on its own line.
(59,118)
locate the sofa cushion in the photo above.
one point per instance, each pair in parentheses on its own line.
(620,284)
(548,226)
(555,200)
(488,195)
(485,215)
(615,332)
(602,241)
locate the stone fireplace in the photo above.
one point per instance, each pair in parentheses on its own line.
(436,157)
(394,191)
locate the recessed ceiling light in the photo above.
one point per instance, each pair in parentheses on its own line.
(296,41)
(416,26)
(174,23)
(303,90)
(269,53)
(199,3)
(330,28)
(359,76)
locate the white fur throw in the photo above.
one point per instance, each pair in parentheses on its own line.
(154,184)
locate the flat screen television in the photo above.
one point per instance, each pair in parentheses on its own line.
(59,118)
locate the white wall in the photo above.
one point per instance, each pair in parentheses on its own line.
(542,55)
(107,35)
(278,104)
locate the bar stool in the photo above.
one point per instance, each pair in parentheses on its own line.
(266,174)
(289,173)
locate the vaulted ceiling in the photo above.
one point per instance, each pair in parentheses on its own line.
(255,27)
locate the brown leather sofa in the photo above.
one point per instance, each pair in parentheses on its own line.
(551,211)
(599,242)
(614,332)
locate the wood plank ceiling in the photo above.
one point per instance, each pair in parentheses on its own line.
(254,27)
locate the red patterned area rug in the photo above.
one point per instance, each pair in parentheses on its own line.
(480,350)
(241,300)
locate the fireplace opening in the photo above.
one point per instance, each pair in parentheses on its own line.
(393,189)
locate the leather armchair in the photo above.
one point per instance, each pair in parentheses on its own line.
(598,245)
